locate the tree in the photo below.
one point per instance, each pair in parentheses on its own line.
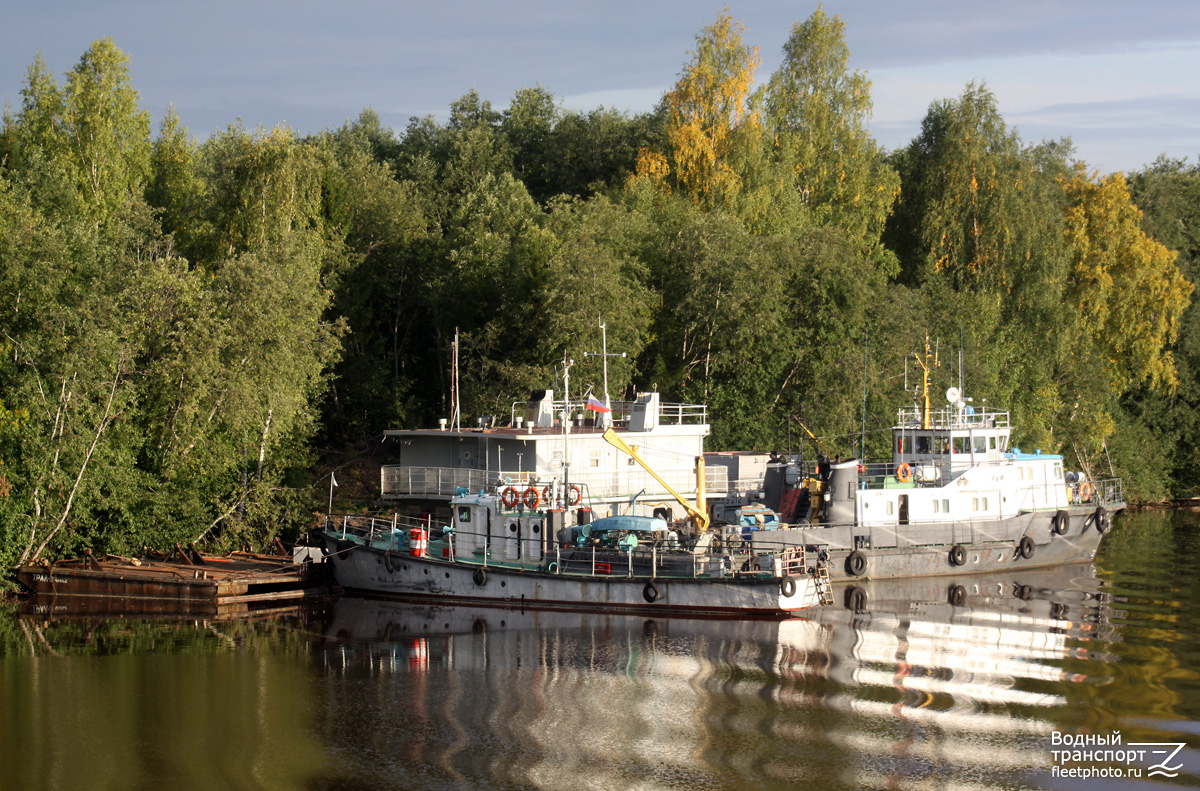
(109,136)
(528,126)
(816,115)
(707,113)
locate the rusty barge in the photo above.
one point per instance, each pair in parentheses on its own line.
(186,583)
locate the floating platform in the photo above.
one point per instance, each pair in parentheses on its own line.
(190,584)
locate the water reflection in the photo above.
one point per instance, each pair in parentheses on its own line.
(938,683)
(935,678)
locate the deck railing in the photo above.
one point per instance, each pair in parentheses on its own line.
(402,481)
(622,412)
(950,417)
(395,535)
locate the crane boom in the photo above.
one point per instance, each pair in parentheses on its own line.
(696,513)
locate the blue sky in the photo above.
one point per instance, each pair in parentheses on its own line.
(1118,78)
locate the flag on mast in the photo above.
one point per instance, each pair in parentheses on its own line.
(596,405)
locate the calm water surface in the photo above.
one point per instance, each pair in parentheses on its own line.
(966,683)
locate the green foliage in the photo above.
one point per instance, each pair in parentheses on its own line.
(186,320)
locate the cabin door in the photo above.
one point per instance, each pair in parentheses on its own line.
(903,509)
(532,550)
(512,539)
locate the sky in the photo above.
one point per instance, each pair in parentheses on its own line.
(1119,78)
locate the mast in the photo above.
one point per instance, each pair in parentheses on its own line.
(605,418)
(455,413)
(926,364)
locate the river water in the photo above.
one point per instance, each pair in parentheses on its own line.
(980,682)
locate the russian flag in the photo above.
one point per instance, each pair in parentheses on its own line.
(596,406)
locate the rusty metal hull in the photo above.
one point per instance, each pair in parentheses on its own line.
(167,586)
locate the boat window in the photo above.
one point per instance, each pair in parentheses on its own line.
(1003,444)
(945,506)
(984,503)
(974,503)
(890,507)
(594,458)
(980,444)
(961,445)
(464,513)
(1058,472)
(899,445)
(936,506)
(923,443)
(992,443)
(945,442)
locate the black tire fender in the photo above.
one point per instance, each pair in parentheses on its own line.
(958,555)
(787,586)
(1025,547)
(856,563)
(650,592)
(1061,523)
(480,577)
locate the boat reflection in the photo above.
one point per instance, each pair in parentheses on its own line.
(936,678)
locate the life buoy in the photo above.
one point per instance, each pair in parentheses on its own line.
(1025,547)
(1085,491)
(532,499)
(1060,523)
(958,555)
(574,494)
(510,497)
(862,468)
(904,473)
(787,587)
(650,592)
(480,577)
(856,563)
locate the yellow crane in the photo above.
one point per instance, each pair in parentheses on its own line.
(698,517)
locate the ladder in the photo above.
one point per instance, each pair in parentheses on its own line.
(824,586)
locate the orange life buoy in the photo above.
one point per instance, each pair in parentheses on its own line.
(904,473)
(510,497)
(532,499)
(1085,491)
(574,494)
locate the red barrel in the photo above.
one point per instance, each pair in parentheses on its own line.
(417,543)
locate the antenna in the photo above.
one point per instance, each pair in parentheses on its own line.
(863,447)
(455,414)
(604,355)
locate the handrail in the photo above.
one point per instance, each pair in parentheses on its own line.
(397,480)
(622,411)
(648,561)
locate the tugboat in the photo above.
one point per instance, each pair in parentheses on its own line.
(955,498)
(514,548)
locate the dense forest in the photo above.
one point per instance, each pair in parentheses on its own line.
(192,330)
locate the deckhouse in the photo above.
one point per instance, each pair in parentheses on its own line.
(554,450)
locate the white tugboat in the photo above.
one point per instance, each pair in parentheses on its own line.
(955,498)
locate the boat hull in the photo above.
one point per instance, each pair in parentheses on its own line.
(375,571)
(1024,541)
